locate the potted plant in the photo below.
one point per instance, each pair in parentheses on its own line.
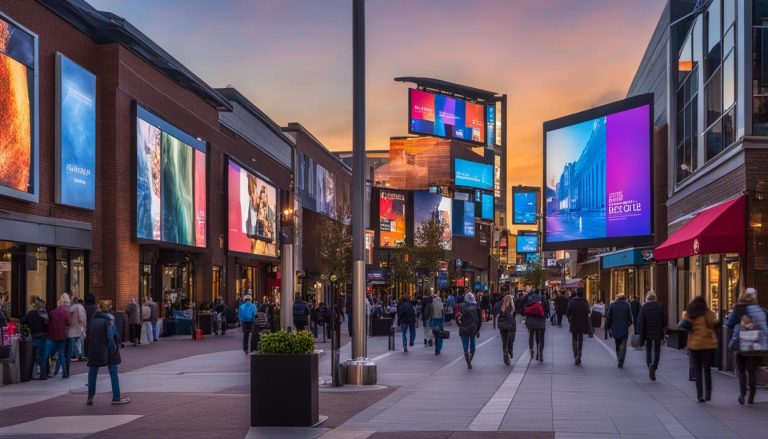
(284,380)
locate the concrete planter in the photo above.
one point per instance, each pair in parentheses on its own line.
(284,390)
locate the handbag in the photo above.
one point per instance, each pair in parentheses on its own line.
(684,324)
(439,333)
(635,342)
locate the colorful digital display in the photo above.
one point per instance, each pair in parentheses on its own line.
(598,176)
(464,218)
(391,218)
(490,118)
(18,116)
(427,205)
(524,207)
(442,116)
(252,213)
(76,135)
(170,183)
(473,174)
(486,203)
(326,192)
(527,242)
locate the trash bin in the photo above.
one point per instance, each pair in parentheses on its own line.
(381,327)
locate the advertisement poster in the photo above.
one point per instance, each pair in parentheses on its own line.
(442,116)
(486,206)
(416,162)
(473,174)
(17,100)
(464,218)
(148,181)
(527,243)
(497,176)
(326,192)
(524,207)
(391,218)
(585,201)
(76,101)
(252,213)
(490,118)
(427,205)
(200,199)
(177,205)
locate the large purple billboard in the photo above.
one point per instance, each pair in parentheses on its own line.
(598,176)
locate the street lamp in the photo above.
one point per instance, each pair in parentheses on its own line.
(287,233)
(335,333)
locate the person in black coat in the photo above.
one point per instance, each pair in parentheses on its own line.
(104,350)
(507,326)
(561,307)
(578,317)
(635,307)
(618,320)
(651,321)
(406,318)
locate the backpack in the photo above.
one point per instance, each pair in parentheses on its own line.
(246,312)
(261,319)
(534,310)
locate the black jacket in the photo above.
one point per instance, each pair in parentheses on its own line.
(469,320)
(90,309)
(651,321)
(506,321)
(37,322)
(578,316)
(406,314)
(561,304)
(99,343)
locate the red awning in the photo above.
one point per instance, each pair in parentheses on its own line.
(719,229)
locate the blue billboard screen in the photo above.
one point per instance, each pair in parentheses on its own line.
(76,158)
(464,218)
(524,208)
(527,243)
(487,206)
(473,174)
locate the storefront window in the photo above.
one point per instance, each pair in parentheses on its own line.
(712,287)
(145,281)
(176,284)
(732,267)
(37,273)
(247,280)
(5,276)
(215,282)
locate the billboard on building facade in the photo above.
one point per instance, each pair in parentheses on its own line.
(527,242)
(391,218)
(486,202)
(473,174)
(251,213)
(18,112)
(598,176)
(442,116)
(427,205)
(463,218)
(325,192)
(170,183)
(75,134)
(524,206)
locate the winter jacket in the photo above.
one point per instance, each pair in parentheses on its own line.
(578,316)
(77,321)
(618,318)
(426,309)
(506,320)
(134,314)
(90,309)
(535,322)
(406,315)
(561,304)
(651,322)
(469,320)
(155,312)
(759,318)
(37,321)
(59,323)
(703,335)
(438,311)
(301,311)
(635,307)
(103,344)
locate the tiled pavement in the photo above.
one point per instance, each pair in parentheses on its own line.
(199,389)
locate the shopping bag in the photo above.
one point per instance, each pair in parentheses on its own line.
(634,341)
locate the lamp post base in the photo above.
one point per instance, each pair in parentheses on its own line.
(360,372)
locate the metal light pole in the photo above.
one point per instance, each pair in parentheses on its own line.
(335,334)
(287,270)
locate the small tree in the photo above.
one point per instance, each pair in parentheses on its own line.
(334,247)
(429,241)
(537,276)
(401,267)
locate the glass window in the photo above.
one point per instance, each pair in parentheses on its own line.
(37,273)
(685,62)
(760,13)
(728,40)
(729,82)
(729,133)
(729,12)
(760,116)
(6,269)
(713,37)
(714,139)
(712,292)
(713,93)
(77,282)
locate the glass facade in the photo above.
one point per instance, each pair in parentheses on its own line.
(760,68)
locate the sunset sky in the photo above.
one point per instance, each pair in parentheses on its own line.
(293,58)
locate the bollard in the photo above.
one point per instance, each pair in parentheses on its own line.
(391,338)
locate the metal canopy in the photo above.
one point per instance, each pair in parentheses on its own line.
(451,88)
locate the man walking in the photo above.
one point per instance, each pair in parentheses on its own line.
(561,307)
(154,316)
(134,322)
(246,313)
(578,317)
(146,320)
(301,313)
(406,318)
(618,320)
(437,316)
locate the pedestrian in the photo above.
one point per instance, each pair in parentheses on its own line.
(301,314)
(635,306)
(76,331)
(437,317)
(58,335)
(154,316)
(469,325)
(134,322)
(748,320)
(496,309)
(146,320)
(561,307)
(618,320)
(37,319)
(104,351)
(651,322)
(507,327)
(450,307)
(426,315)
(598,311)
(702,342)
(246,313)
(406,319)
(578,320)
(535,311)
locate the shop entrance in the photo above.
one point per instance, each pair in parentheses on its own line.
(177,285)
(721,283)
(247,281)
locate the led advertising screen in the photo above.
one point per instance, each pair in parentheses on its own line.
(326,192)
(598,176)
(427,205)
(442,116)
(490,119)
(251,213)
(170,183)
(464,218)
(524,206)
(75,134)
(473,174)
(18,112)
(486,201)
(391,218)
(527,242)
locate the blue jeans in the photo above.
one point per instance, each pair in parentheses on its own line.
(468,343)
(41,352)
(72,349)
(60,348)
(437,324)
(404,328)
(93,371)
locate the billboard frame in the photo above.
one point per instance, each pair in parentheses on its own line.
(473,142)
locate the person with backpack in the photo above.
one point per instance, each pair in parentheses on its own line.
(469,325)
(535,312)
(577,314)
(301,313)
(651,322)
(507,326)
(618,320)
(104,351)
(702,342)
(246,313)
(406,319)
(36,319)
(750,325)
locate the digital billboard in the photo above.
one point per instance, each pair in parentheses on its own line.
(326,192)
(170,183)
(442,116)
(18,112)
(251,213)
(490,128)
(75,134)
(527,242)
(464,218)
(426,206)
(391,218)
(597,176)
(524,206)
(486,202)
(473,174)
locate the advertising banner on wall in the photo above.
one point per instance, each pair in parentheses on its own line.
(486,206)
(251,213)
(326,192)
(427,205)
(473,174)
(391,218)
(527,242)
(598,176)
(75,134)
(463,218)
(442,116)
(18,112)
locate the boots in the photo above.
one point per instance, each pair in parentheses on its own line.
(506,358)
(468,357)
(471,356)
(575,347)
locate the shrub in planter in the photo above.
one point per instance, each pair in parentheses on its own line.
(284,380)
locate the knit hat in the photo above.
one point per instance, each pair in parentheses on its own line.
(469,298)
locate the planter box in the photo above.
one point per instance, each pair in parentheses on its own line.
(284,390)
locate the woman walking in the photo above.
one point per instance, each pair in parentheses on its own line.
(406,318)
(535,313)
(748,320)
(596,316)
(702,342)
(104,350)
(507,326)
(650,326)
(578,319)
(469,325)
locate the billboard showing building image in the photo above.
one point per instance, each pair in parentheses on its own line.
(427,205)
